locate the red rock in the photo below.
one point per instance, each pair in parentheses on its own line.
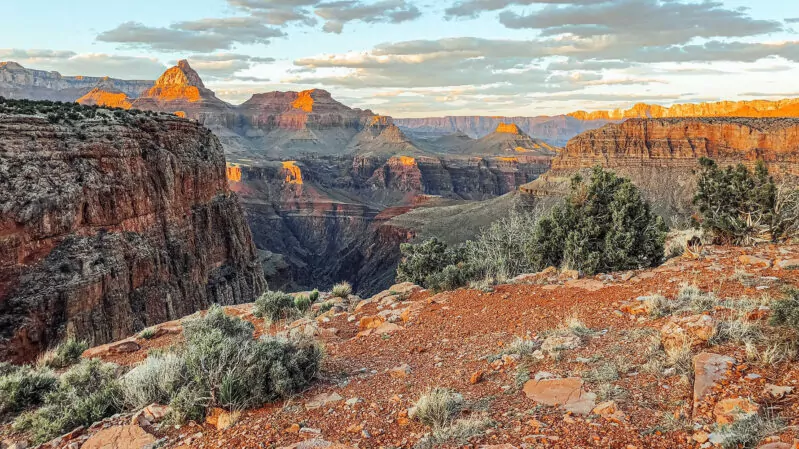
(147,227)
(694,329)
(120,437)
(729,410)
(567,392)
(747,259)
(476,377)
(709,368)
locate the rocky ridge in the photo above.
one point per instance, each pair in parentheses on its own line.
(21,83)
(111,223)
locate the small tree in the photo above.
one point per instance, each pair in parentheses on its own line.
(605,225)
(736,204)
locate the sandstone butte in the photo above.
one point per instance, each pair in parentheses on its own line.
(453,340)
(509,128)
(101,240)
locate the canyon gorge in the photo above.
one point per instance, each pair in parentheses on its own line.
(326,188)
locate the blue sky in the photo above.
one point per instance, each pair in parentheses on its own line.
(409,58)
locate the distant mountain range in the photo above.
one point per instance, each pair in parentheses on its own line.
(284,124)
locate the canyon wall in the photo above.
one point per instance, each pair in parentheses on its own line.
(660,155)
(111,224)
(334,224)
(21,83)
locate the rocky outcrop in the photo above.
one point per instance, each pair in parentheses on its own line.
(112,224)
(181,91)
(509,140)
(754,108)
(681,142)
(21,83)
(660,155)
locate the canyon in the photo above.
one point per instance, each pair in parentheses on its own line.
(330,191)
(112,222)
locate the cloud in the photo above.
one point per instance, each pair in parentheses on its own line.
(589,64)
(338,13)
(472,8)
(278,12)
(223,65)
(88,64)
(204,35)
(642,22)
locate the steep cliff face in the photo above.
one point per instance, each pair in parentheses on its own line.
(680,142)
(107,228)
(754,108)
(659,155)
(21,83)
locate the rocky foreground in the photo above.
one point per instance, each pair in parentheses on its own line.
(550,360)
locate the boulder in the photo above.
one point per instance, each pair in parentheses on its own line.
(118,347)
(400,372)
(787,263)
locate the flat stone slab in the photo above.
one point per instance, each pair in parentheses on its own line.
(567,393)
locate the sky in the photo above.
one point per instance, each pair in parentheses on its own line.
(409,58)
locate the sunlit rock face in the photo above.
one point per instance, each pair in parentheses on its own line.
(661,155)
(180,90)
(109,226)
(680,142)
(753,108)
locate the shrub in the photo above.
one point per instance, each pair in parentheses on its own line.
(65,354)
(500,251)
(86,393)
(450,278)
(302,303)
(603,226)
(342,290)
(739,206)
(438,407)
(785,312)
(147,334)
(747,432)
(274,306)
(459,433)
(426,261)
(156,380)
(221,365)
(314,296)
(23,387)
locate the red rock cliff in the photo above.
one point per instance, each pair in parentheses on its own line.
(106,228)
(680,142)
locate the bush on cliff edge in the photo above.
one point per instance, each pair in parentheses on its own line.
(604,225)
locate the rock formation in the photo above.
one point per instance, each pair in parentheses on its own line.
(659,155)
(754,108)
(113,223)
(21,83)
(180,90)
(679,142)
